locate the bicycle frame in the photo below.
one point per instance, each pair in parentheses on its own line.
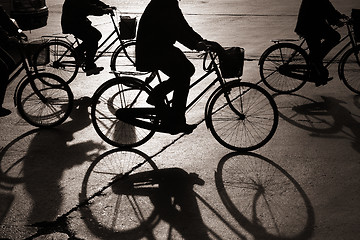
(349,36)
(100,51)
(213,68)
(21,66)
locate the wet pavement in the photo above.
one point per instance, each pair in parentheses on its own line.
(304,184)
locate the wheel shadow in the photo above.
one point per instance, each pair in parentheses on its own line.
(38,159)
(139,197)
(142,201)
(263,198)
(322,118)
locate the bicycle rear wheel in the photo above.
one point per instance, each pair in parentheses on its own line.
(117,93)
(349,69)
(57,57)
(44,100)
(123,58)
(242,116)
(284,67)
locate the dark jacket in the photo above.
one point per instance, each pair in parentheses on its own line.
(160,26)
(315,15)
(9,52)
(75,12)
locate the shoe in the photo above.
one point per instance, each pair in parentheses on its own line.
(176,128)
(322,81)
(93,71)
(4,112)
(154,101)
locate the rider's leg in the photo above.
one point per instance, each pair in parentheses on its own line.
(4,76)
(331,39)
(90,37)
(7,65)
(179,69)
(318,72)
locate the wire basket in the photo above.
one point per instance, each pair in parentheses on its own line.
(127,27)
(355,16)
(43,57)
(232,62)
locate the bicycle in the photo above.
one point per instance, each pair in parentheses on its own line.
(241,116)
(65,61)
(285,66)
(42,99)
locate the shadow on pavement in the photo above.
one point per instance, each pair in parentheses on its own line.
(263,198)
(322,118)
(143,201)
(25,161)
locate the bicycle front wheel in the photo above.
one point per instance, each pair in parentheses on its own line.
(349,69)
(57,57)
(242,116)
(284,67)
(44,100)
(115,94)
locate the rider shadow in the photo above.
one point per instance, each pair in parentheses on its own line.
(263,198)
(125,196)
(171,193)
(49,154)
(323,119)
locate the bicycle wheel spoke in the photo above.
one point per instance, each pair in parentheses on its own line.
(43,104)
(57,57)
(283,67)
(114,96)
(350,69)
(243,116)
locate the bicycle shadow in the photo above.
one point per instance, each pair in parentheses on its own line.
(139,197)
(322,118)
(46,154)
(142,201)
(263,198)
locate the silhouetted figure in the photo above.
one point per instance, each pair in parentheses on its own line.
(8,31)
(161,25)
(314,24)
(74,20)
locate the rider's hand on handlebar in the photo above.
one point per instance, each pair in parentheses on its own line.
(206,45)
(109,10)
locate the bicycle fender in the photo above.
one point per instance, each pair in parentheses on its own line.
(280,45)
(212,96)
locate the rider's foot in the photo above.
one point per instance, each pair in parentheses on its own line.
(93,70)
(4,112)
(177,128)
(322,81)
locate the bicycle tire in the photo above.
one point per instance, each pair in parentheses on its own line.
(122,92)
(349,69)
(44,100)
(123,59)
(271,66)
(113,206)
(242,116)
(60,59)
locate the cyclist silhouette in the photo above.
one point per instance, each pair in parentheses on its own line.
(314,24)
(160,26)
(74,20)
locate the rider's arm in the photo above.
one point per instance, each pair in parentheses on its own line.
(333,16)
(184,33)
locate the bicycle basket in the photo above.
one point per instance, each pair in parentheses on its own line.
(127,27)
(232,62)
(355,15)
(44,55)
